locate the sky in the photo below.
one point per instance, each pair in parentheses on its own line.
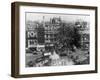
(66,17)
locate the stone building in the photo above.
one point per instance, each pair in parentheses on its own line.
(31,34)
(51,30)
(83,28)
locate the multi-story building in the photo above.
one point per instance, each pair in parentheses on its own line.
(31,34)
(34,36)
(83,28)
(51,30)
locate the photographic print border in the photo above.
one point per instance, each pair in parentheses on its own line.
(15,32)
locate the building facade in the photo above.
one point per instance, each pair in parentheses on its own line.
(83,28)
(31,34)
(51,30)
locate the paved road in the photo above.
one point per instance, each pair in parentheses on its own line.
(61,61)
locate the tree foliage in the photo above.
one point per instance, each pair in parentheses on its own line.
(68,36)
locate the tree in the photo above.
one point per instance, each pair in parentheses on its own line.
(67,37)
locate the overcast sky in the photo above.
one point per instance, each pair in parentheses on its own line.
(66,17)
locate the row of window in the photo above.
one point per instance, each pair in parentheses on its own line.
(85,38)
(51,27)
(85,46)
